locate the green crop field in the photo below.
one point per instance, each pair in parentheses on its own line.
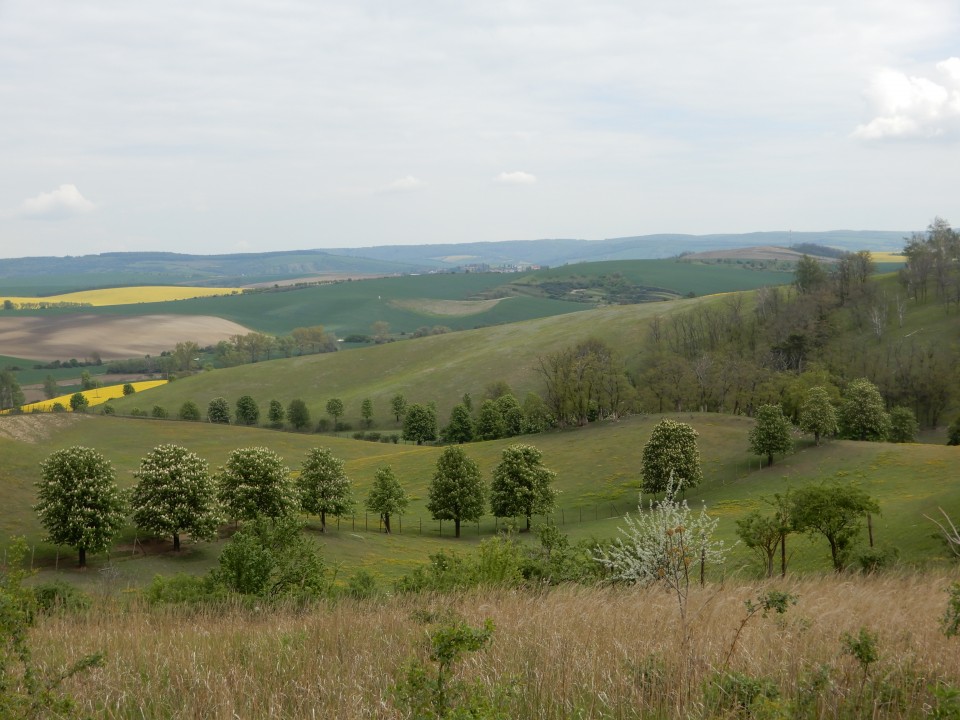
(352,307)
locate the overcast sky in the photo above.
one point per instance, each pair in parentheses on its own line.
(245,125)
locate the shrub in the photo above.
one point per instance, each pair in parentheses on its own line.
(59,408)
(128,389)
(736,694)
(903,425)
(189,411)
(218,411)
(183,589)
(373,436)
(108,409)
(58,595)
(137,412)
(323,425)
(361,585)
(359,435)
(877,558)
(158,412)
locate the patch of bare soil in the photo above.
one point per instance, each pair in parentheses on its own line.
(35,428)
(452,308)
(79,336)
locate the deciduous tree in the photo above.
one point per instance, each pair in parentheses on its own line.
(248,412)
(10,393)
(218,411)
(323,486)
(670,451)
(522,486)
(189,411)
(903,425)
(862,414)
(254,481)
(770,434)
(456,491)
(460,427)
(78,501)
(275,414)
(386,497)
(174,494)
(335,410)
(366,412)
(398,405)
(298,415)
(817,414)
(490,425)
(79,402)
(420,424)
(834,511)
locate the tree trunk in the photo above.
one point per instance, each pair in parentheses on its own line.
(82,562)
(528,523)
(386,523)
(834,552)
(769,459)
(323,521)
(176,542)
(456,525)
(816,438)
(783,554)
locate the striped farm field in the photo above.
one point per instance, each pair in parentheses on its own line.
(97,396)
(125,295)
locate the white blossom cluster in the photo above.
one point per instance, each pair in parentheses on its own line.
(174,494)
(664,545)
(254,481)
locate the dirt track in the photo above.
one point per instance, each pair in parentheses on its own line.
(78,336)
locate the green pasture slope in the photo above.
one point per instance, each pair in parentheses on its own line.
(439,368)
(680,277)
(596,473)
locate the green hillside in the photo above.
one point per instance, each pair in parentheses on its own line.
(440,368)
(596,474)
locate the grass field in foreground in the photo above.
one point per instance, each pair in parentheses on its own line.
(570,652)
(597,474)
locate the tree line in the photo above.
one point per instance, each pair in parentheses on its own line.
(80,505)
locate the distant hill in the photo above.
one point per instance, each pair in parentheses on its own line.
(61,274)
(642,247)
(160,268)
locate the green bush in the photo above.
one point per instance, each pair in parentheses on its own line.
(361,585)
(137,412)
(734,694)
(158,412)
(877,558)
(359,435)
(182,589)
(58,595)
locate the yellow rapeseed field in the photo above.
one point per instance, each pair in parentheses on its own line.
(125,295)
(94,397)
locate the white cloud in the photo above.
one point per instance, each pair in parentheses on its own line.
(516,178)
(66,201)
(405,184)
(914,107)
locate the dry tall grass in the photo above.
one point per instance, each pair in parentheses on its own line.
(568,652)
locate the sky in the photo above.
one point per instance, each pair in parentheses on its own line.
(208,126)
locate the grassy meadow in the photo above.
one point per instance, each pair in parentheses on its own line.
(572,652)
(596,471)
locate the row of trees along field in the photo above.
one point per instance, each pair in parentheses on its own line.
(80,505)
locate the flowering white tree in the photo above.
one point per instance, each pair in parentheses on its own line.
(663,545)
(254,481)
(78,501)
(174,494)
